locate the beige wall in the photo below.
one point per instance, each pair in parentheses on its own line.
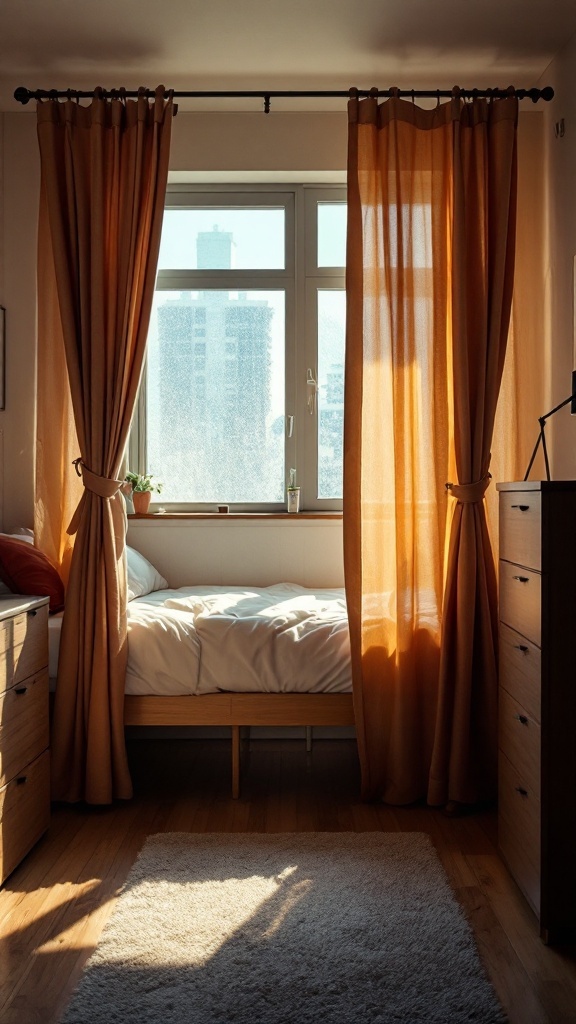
(238,553)
(2,303)
(559,253)
(19,216)
(259,142)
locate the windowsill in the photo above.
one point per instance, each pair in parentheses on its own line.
(294,516)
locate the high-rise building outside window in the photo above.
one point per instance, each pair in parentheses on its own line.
(244,377)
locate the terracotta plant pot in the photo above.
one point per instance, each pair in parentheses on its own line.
(141,501)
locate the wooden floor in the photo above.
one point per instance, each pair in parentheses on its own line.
(54,906)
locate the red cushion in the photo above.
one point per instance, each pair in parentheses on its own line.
(26,570)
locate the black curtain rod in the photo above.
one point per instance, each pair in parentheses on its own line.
(23,95)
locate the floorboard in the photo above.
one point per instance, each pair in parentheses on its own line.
(54,906)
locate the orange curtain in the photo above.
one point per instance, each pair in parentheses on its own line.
(424,278)
(58,489)
(104,174)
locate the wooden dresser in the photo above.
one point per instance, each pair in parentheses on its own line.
(24,764)
(537,698)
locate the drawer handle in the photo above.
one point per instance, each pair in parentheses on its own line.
(20,689)
(522,579)
(21,780)
(522,719)
(32,612)
(521,790)
(523,508)
(521,647)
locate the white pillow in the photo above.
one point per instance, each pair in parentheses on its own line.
(143,578)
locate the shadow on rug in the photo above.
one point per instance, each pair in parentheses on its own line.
(286,928)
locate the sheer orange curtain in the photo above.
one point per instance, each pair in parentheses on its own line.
(104,174)
(399,447)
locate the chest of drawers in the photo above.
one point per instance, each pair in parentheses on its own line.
(537,698)
(24,726)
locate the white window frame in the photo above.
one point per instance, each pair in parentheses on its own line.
(300,279)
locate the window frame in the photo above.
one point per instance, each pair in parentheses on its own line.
(300,278)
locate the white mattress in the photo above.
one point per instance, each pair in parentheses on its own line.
(194,640)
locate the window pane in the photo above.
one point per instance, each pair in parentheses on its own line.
(222,239)
(331,340)
(215,406)
(332,234)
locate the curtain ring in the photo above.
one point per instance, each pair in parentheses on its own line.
(353,92)
(394,92)
(413,97)
(437,97)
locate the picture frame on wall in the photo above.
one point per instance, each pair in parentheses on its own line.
(2,357)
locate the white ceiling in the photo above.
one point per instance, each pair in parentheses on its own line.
(269,44)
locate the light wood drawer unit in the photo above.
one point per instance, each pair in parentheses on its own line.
(23,724)
(24,812)
(519,827)
(521,600)
(519,736)
(520,670)
(23,645)
(537,700)
(24,758)
(520,528)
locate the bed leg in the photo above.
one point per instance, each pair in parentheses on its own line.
(308,738)
(235,762)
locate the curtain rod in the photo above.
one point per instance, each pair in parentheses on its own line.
(23,95)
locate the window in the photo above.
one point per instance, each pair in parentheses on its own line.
(258,276)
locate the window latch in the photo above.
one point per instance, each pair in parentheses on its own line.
(312,386)
(290,425)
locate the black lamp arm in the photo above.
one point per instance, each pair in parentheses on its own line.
(541,440)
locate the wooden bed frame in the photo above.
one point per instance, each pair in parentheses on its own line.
(238,709)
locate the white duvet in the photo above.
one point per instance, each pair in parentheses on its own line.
(278,639)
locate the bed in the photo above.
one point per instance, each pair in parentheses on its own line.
(232,656)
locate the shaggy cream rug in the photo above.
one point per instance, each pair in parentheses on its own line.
(286,928)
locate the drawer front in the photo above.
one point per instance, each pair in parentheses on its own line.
(12,631)
(24,813)
(520,600)
(23,725)
(521,528)
(520,664)
(519,830)
(28,652)
(519,739)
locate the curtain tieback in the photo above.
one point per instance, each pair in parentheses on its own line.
(104,487)
(470,493)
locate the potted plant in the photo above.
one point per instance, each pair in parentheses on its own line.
(142,487)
